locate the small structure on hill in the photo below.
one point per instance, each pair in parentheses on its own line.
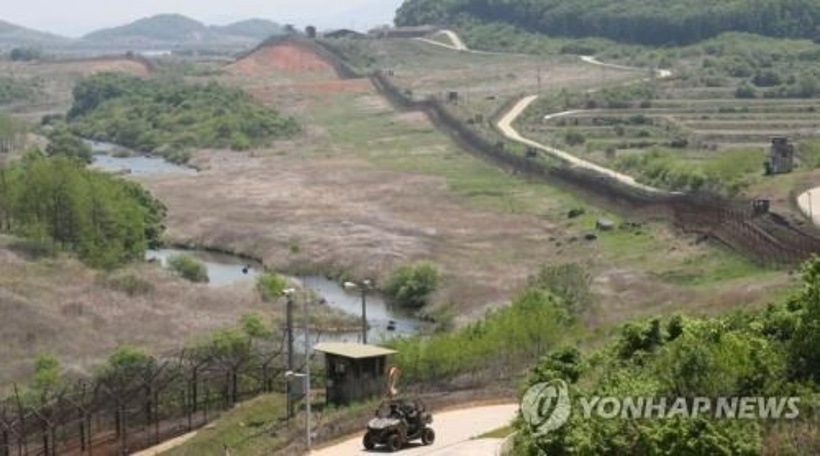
(781,157)
(403,32)
(343,33)
(354,372)
(760,206)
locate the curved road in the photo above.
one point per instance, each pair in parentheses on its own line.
(506,128)
(505,125)
(458,44)
(455,433)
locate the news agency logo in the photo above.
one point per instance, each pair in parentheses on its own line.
(547,406)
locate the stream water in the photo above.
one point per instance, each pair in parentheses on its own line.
(384,320)
(136,164)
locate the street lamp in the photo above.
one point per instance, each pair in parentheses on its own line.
(363,286)
(289,294)
(289,375)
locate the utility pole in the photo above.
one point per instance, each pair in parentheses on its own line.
(307,375)
(362,286)
(290,354)
(364,313)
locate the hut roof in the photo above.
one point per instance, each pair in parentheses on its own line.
(351,350)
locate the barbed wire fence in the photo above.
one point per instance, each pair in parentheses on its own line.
(136,408)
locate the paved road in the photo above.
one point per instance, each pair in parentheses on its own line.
(454,433)
(809,204)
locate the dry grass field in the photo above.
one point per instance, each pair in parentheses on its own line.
(367,188)
(56,80)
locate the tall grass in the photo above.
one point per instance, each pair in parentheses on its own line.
(503,341)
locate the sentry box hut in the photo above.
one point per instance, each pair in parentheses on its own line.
(354,372)
(781,157)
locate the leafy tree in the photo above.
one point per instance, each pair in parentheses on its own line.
(746,90)
(169,117)
(411,284)
(59,203)
(25,54)
(62,142)
(271,286)
(255,327)
(805,358)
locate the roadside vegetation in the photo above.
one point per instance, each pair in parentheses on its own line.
(764,353)
(541,317)
(168,117)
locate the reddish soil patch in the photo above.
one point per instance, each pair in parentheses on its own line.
(287,57)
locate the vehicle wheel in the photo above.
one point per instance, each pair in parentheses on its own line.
(368,441)
(428,436)
(394,442)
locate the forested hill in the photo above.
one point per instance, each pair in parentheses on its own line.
(652,22)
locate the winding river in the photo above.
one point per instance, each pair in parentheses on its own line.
(384,320)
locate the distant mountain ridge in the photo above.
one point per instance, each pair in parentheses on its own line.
(163,31)
(12,35)
(179,30)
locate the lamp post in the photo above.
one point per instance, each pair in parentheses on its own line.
(289,294)
(363,286)
(291,374)
(306,376)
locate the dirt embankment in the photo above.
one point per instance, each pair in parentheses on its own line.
(287,57)
(289,68)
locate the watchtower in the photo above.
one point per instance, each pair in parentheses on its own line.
(354,372)
(781,156)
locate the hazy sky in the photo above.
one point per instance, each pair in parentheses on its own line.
(77,17)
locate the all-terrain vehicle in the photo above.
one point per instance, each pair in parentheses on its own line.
(397,423)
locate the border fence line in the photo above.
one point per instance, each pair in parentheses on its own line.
(141,404)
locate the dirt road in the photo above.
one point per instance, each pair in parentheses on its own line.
(505,125)
(454,431)
(809,204)
(458,44)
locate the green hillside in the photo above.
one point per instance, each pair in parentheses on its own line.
(652,22)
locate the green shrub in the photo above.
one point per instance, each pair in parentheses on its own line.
(574,138)
(189,268)
(271,286)
(411,284)
(168,115)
